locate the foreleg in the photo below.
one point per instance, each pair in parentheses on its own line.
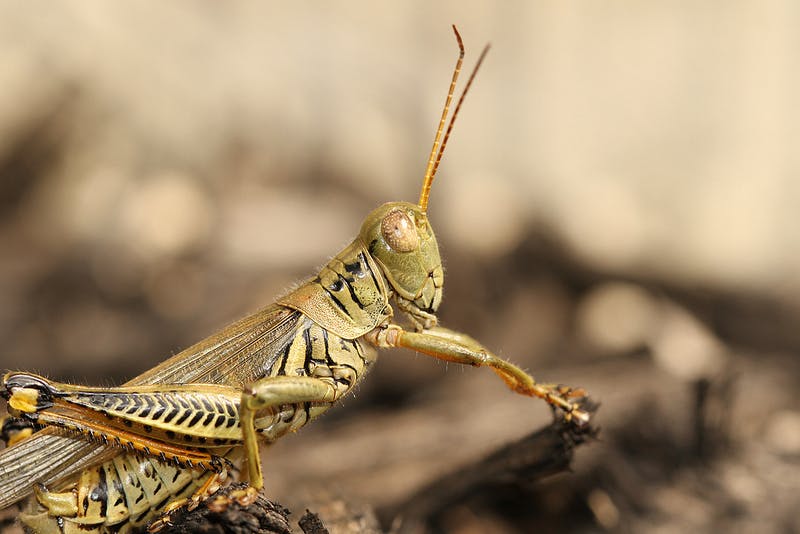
(453,346)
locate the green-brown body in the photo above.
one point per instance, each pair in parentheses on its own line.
(350,297)
(173,432)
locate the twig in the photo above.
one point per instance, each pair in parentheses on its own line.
(543,453)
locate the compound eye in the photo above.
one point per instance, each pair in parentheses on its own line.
(399,231)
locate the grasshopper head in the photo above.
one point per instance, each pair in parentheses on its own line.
(398,235)
(401,240)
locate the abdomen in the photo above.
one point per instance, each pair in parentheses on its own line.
(117,496)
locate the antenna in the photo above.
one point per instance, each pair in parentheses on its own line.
(437,151)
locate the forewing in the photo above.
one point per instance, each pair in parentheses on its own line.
(43,457)
(235,356)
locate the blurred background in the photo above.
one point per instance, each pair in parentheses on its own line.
(617,210)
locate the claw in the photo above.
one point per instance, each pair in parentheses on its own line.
(161,522)
(210,486)
(174,505)
(242,497)
(246,496)
(579,417)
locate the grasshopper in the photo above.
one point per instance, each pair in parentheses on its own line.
(117,459)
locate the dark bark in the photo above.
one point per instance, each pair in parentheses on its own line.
(539,455)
